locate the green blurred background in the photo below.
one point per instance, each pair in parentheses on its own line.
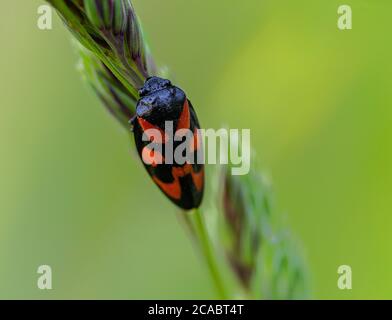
(318,101)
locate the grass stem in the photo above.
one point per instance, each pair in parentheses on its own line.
(206,247)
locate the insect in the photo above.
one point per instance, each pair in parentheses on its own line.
(161,105)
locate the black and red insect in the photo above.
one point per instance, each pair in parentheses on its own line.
(161,102)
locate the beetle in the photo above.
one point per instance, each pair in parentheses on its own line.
(161,103)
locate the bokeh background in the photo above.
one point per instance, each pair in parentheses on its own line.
(318,101)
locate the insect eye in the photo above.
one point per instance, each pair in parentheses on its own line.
(142,92)
(166,83)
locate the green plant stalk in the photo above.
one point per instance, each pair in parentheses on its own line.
(88,42)
(206,248)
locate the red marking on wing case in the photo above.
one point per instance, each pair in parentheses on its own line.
(198,179)
(173,189)
(152,157)
(184,122)
(147,126)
